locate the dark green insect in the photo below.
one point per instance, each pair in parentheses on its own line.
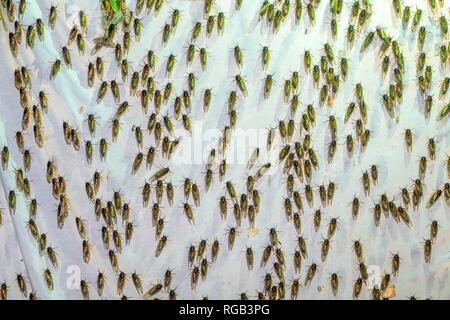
(420,62)
(83,21)
(443,54)
(388,105)
(18,32)
(323,95)
(210,26)
(40,29)
(397,7)
(385,66)
(169,65)
(31,36)
(158,6)
(307,61)
(332,126)
(334,28)
(311,13)
(428,106)
(220,23)
(365,139)
(203,58)
(427,250)
(241,84)
(190,54)
(52,17)
(166,33)
(270,13)
(349,111)
(362,18)
(329,53)
(268,85)
(421,37)
(416,20)
(359,93)
(422,167)
(80,44)
(238,4)
(66,57)
(428,76)
(443,113)
(287,90)
(72,35)
(99,67)
(134,83)
(443,25)
(350,36)
(340,6)
(265,57)
(103,149)
(263,9)
(367,41)
(277,21)
(151,59)
(196,31)
(55,69)
(310,273)
(444,87)
(175,19)
(22,7)
(298,11)
(406,16)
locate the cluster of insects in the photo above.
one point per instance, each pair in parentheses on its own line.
(148,102)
